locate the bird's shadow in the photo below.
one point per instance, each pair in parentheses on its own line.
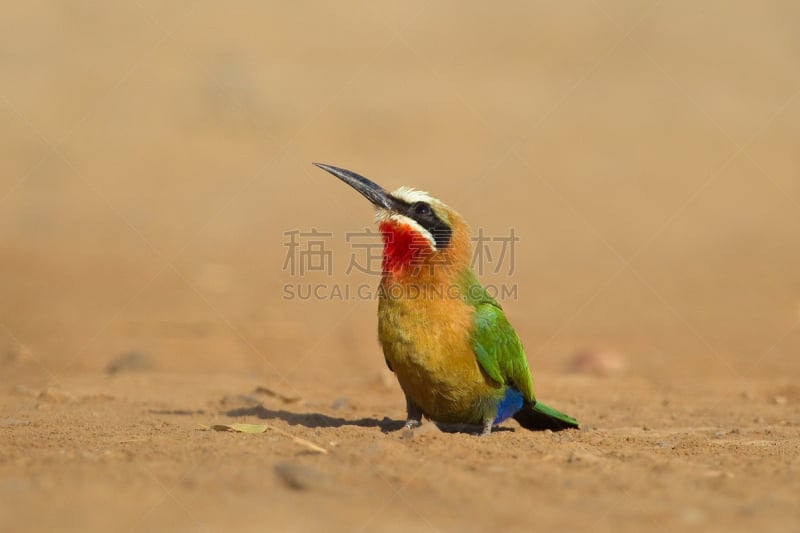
(316,420)
(319,420)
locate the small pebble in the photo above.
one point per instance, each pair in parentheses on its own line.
(132,361)
(298,477)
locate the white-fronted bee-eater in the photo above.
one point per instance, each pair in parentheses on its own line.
(456,356)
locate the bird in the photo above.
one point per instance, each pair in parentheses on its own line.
(454,353)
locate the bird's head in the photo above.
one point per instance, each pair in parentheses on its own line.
(417,229)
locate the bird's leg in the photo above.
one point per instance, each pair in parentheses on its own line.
(487,427)
(414,414)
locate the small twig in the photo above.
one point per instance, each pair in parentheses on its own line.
(298,440)
(274,394)
(261,428)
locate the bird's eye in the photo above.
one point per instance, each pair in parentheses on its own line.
(421,208)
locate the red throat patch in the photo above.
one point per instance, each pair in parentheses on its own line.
(402,246)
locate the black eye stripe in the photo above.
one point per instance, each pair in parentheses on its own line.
(428,219)
(441,234)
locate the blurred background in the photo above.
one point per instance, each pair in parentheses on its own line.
(155,156)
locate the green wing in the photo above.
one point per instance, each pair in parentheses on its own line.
(497,346)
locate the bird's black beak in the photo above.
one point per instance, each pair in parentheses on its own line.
(371,190)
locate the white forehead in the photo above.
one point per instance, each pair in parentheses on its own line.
(411,195)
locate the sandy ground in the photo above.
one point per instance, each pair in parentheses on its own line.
(156,160)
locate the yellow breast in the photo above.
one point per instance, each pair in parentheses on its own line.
(425,336)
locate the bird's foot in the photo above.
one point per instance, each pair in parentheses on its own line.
(413,414)
(412,423)
(487,429)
